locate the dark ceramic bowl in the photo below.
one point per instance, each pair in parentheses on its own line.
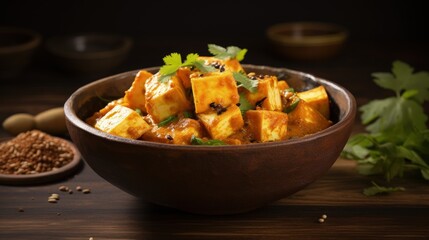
(17,47)
(307,40)
(89,53)
(209,179)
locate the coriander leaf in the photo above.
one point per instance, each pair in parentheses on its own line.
(139,111)
(168,120)
(387,81)
(190,59)
(211,142)
(202,67)
(404,79)
(247,83)
(398,138)
(395,117)
(376,189)
(419,81)
(293,105)
(230,52)
(215,49)
(172,63)
(244,104)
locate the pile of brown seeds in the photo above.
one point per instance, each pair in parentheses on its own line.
(33,152)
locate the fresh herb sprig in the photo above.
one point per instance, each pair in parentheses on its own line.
(244,81)
(210,142)
(230,52)
(174,61)
(397,138)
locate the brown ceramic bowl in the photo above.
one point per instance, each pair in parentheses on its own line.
(91,53)
(307,40)
(209,179)
(17,47)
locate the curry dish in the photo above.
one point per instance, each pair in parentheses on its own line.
(225,105)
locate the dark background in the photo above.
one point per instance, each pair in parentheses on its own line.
(380,31)
(367,20)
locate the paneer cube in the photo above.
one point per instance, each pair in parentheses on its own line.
(282,85)
(218,88)
(304,120)
(179,132)
(232,65)
(97,115)
(267,97)
(183,74)
(135,96)
(223,125)
(164,99)
(267,125)
(124,122)
(318,99)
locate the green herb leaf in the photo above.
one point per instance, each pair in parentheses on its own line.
(167,120)
(139,111)
(376,189)
(211,142)
(244,104)
(244,81)
(227,53)
(292,106)
(398,137)
(174,61)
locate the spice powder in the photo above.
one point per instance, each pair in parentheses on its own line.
(33,152)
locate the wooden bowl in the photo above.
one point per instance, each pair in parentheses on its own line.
(307,40)
(92,53)
(17,47)
(209,179)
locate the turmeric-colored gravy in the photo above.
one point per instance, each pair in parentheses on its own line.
(224,106)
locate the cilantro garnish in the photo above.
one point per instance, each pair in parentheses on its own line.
(174,61)
(244,81)
(168,120)
(292,106)
(244,104)
(398,137)
(377,189)
(210,142)
(227,53)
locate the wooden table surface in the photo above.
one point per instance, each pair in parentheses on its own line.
(109,213)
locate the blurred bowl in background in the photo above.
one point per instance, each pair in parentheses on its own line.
(306,40)
(17,47)
(91,53)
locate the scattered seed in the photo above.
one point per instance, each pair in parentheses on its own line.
(86,190)
(63,188)
(321,220)
(52,200)
(55,196)
(324,216)
(78,188)
(20,209)
(70,191)
(58,213)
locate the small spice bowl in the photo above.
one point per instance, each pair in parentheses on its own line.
(307,40)
(17,47)
(43,177)
(90,53)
